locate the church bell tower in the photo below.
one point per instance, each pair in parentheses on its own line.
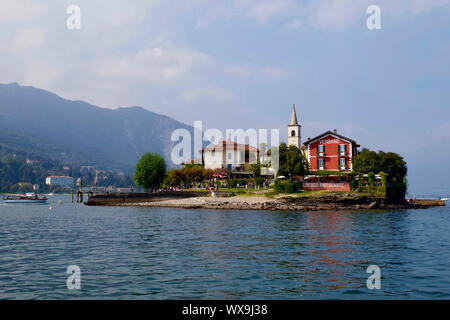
(294,131)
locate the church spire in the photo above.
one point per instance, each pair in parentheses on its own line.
(294,130)
(293,117)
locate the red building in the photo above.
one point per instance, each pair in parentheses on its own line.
(330,151)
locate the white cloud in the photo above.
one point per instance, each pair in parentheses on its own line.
(323,14)
(130,53)
(124,54)
(340,14)
(153,64)
(276,73)
(263,11)
(256,72)
(260,10)
(27,39)
(44,74)
(207,93)
(294,24)
(18,10)
(330,14)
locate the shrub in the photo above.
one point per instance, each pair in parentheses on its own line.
(279,186)
(234,182)
(288,186)
(353,183)
(259,181)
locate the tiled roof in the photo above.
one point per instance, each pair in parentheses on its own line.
(230,145)
(329,133)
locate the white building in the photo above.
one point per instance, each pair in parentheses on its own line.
(64,181)
(229,155)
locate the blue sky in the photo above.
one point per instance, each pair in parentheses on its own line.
(243,63)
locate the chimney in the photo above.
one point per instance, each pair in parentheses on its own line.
(309,139)
(335,131)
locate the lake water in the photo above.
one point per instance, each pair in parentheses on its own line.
(164,253)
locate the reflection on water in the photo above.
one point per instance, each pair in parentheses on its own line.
(160,253)
(330,247)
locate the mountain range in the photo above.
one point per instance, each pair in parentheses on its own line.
(43,125)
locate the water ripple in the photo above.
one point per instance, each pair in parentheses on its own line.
(162,253)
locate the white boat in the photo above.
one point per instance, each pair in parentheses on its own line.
(23,198)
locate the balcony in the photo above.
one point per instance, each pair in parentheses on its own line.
(342,153)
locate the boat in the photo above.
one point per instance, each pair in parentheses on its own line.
(24,198)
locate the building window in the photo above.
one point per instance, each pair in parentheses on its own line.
(320,164)
(342,163)
(342,149)
(320,150)
(229,156)
(293,133)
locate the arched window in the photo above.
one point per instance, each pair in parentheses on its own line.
(293,133)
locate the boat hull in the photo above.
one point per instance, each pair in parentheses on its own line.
(25,201)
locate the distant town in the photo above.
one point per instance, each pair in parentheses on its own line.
(20,174)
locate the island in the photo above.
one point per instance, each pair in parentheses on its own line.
(311,201)
(326,172)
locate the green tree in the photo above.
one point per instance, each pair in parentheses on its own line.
(150,171)
(391,163)
(292,161)
(391,167)
(194,174)
(188,174)
(366,161)
(282,150)
(174,178)
(394,165)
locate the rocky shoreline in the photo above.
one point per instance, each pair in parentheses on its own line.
(202,200)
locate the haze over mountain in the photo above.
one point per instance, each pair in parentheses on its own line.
(45,124)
